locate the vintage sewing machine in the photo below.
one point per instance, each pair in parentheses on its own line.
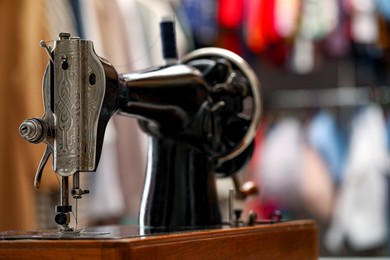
(200,113)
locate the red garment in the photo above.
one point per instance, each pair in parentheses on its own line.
(230,40)
(255,35)
(260,25)
(230,13)
(259,139)
(268,22)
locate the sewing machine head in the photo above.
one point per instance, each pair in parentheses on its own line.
(201,113)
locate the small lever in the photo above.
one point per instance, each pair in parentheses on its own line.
(245,190)
(47,48)
(42,163)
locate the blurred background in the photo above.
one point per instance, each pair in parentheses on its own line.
(322,148)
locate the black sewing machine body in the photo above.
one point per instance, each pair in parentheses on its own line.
(200,113)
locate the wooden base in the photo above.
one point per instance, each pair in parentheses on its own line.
(287,240)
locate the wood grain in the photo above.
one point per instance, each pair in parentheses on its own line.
(288,240)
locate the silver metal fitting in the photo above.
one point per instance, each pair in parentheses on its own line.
(33,130)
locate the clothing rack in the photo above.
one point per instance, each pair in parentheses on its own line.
(329,97)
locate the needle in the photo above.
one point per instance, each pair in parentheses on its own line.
(76,212)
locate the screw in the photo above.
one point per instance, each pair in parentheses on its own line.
(64,35)
(275,216)
(237,213)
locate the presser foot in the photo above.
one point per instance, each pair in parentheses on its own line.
(66,228)
(71,231)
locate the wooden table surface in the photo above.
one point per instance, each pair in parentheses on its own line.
(286,240)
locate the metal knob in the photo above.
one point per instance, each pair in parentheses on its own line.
(33,130)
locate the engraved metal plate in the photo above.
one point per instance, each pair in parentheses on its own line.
(79,87)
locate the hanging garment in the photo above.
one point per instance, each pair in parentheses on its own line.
(324,136)
(388,130)
(316,186)
(230,13)
(360,213)
(318,20)
(269,21)
(202,20)
(286,17)
(138,47)
(291,174)
(255,34)
(279,170)
(364,24)
(259,142)
(105,204)
(254,203)
(383,7)
(337,43)
(268,27)
(260,25)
